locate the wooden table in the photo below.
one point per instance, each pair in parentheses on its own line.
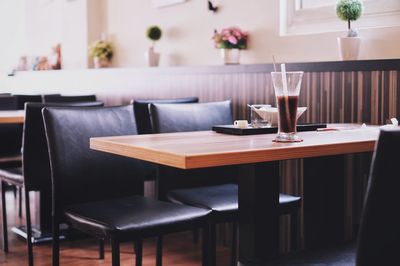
(12,117)
(258,159)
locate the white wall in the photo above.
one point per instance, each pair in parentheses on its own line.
(33,27)
(188,28)
(12,32)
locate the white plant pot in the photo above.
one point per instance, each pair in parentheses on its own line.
(230,56)
(349,47)
(152,58)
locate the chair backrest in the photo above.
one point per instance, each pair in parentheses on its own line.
(80,174)
(8,102)
(142,115)
(22,99)
(68,99)
(379,235)
(35,156)
(10,134)
(190,117)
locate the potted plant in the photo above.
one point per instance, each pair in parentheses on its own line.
(154,33)
(230,40)
(349,10)
(101,52)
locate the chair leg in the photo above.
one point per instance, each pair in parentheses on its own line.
(159,251)
(139,250)
(294,230)
(101,249)
(213,244)
(4,214)
(205,246)
(209,245)
(195,233)
(56,242)
(115,252)
(234,244)
(20,202)
(28,228)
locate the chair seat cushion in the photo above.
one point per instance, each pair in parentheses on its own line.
(12,175)
(221,198)
(133,216)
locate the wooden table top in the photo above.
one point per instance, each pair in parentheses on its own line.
(12,117)
(206,148)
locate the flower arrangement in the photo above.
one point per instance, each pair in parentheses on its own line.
(349,10)
(101,49)
(230,38)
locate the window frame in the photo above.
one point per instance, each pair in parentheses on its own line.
(296,21)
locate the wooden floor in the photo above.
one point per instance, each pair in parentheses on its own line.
(179,249)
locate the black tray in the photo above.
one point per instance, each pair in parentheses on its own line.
(231,129)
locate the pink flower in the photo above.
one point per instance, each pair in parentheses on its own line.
(229,38)
(233,40)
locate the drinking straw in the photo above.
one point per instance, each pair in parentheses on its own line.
(285,92)
(284,80)
(273,60)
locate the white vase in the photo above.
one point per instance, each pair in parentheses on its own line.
(100,62)
(349,47)
(152,58)
(230,56)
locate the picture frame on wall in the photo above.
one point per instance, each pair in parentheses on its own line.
(165,3)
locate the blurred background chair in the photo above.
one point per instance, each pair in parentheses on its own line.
(216,188)
(34,175)
(142,116)
(54,98)
(11,138)
(100,193)
(22,99)
(10,135)
(143,123)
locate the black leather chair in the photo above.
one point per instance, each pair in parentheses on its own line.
(22,99)
(10,135)
(100,193)
(35,172)
(143,123)
(379,234)
(142,116)
(54,98)
(221,199)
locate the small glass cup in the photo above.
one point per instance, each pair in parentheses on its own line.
(259,116)
(287,101)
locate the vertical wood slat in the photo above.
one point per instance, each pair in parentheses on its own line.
(354,97)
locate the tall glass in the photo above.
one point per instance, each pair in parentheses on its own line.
(287,98)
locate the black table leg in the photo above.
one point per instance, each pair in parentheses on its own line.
(258,213)
(324,201)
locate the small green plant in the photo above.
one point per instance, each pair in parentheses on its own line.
(101,49)
(349,10)
(154,33)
